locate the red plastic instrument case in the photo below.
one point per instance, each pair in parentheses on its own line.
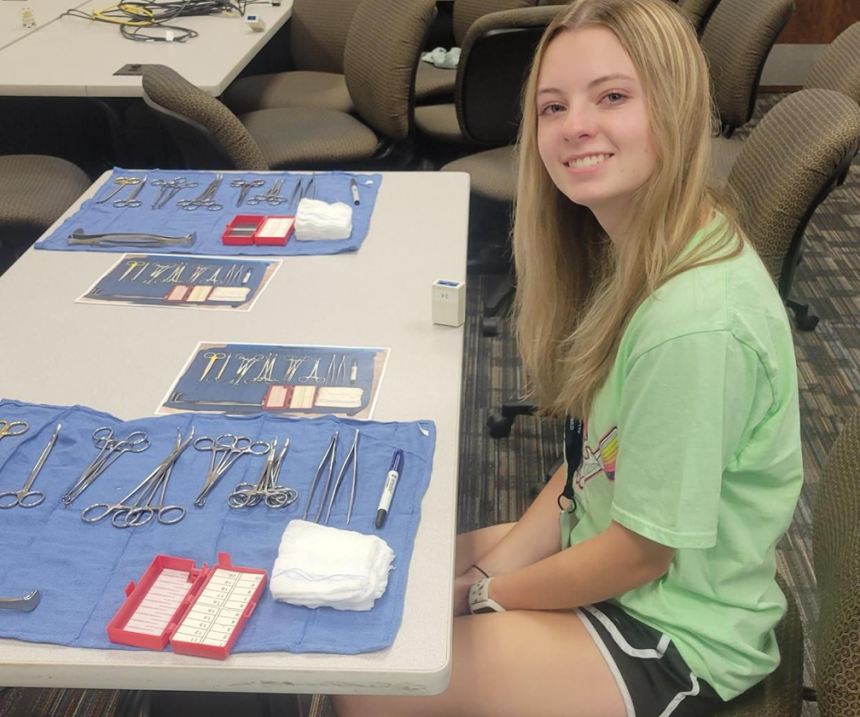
(248,229)
(200,611)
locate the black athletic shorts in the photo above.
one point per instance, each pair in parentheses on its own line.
(651,674)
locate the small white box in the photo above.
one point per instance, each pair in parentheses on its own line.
(449,302)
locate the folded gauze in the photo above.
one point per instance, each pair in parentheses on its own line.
(321,566)
(317,220)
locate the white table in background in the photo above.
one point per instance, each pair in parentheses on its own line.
(380,296)
(74,57)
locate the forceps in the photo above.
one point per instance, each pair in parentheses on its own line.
(169,189)
(110,450)
(120,182)
(233,447)
(132,200)
(206,197)
(8,429)
(245,188)
(329,457)
(144,511)
(22,497)
(272,197)
(266,489)
(313,375)
(353,454)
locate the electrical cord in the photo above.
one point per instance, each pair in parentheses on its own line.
(145,20)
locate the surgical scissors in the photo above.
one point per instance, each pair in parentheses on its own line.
(22,497)
(313,375)
(266,489)
(120,182)
(110,450)
(7,428)
(132,200)
(233,447)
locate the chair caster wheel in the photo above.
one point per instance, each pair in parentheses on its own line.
(500,426)
(490,326)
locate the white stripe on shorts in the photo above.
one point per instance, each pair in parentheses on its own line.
(679,698)
(621,641)
(610,662)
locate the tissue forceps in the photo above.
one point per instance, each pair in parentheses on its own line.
(353,454)
(329,456)
(22,497)
(233,447)
(9,428)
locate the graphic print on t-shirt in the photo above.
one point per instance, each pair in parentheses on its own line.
(603,461)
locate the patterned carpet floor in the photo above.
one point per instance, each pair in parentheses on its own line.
(498,478)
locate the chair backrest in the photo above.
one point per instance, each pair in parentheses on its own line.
(836,555)
(698,12)
(496,58)
(838,68)
(466,12)
(318,32)
(381,59)
(736,42)
(208,134)
(785,169)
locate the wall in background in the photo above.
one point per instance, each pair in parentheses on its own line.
(814,24)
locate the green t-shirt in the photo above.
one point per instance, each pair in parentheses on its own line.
(694,442)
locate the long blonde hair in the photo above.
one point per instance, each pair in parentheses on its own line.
(576,290)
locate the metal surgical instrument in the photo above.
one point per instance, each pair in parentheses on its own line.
(272,197)
(126,514)
(329,457)
(353,454)
(206,198)
(28,603)
(213,356)
(233,448)
(110,450)
(8,429)
(266,489)
(120,182)
(23,497)
(313,375)
(169,189)
(132,200)
(245,187)
(78,238)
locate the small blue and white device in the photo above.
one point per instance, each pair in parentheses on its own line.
(255,22)
(449,302)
